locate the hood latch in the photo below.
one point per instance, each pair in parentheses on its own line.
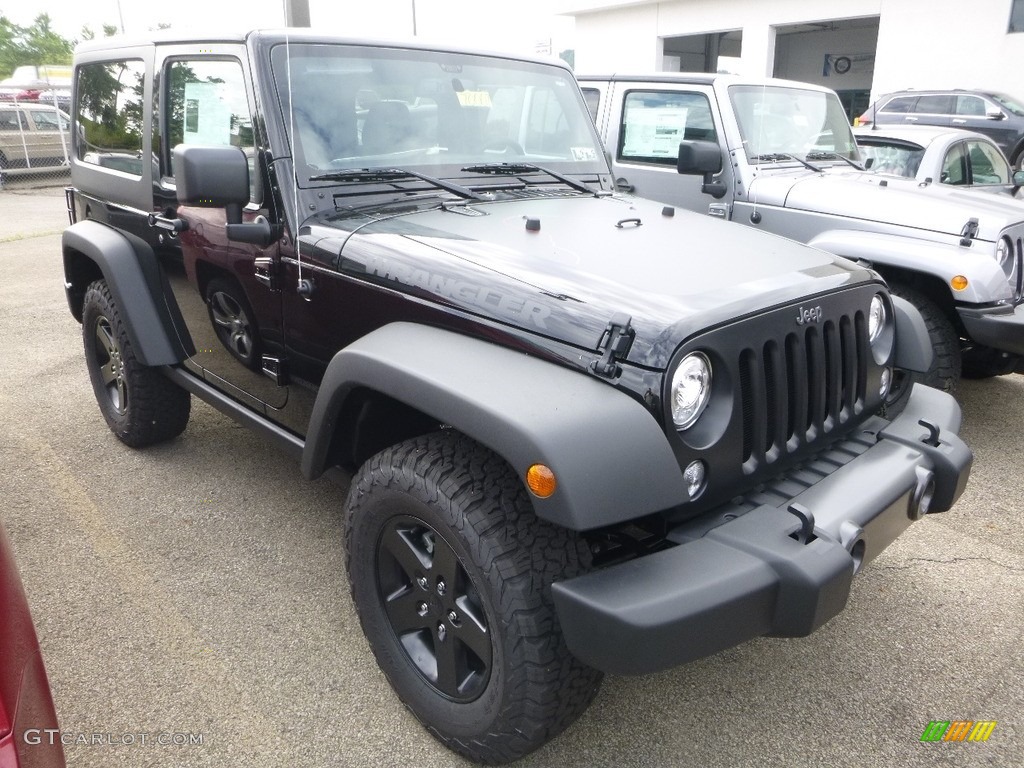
(969,232)
(614,345)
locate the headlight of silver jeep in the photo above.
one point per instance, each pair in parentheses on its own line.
(691,389)
(881,328)
(1007,259)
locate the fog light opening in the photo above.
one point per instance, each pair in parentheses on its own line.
(857,553)
(885,383)
(693,476)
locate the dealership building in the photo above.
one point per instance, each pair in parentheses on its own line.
(858,48)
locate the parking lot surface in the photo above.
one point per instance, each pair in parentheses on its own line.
(193,608)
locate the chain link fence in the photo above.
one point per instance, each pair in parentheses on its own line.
(35,138)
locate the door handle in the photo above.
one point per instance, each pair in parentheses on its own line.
(623,186)
(958,121)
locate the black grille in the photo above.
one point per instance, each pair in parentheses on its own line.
(800,388)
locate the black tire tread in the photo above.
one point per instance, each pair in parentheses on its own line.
(522,556)
(946,367)
(158,409)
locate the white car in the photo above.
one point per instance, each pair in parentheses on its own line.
(938,155)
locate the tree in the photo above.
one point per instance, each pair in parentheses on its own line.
(35,44)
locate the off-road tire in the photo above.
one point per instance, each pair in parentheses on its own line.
(139,404)
(455,512)
(945,341)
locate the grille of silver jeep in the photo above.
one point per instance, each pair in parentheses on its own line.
(799,388)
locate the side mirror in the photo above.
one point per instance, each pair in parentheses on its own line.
(215,177)
(1017,180)
(698,158)
(995,115)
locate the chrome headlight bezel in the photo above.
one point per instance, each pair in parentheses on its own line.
(693,370)
(881,326)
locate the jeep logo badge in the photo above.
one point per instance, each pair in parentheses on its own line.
(808,316)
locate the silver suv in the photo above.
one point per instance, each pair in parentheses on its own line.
(994,114)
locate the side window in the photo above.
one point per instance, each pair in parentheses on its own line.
(12,120)
(970,105)
(49,120)
(936,104)
(206,104)
(901,104)
(954,167)
(654,122)
(987,164)
(593,98)
(110,112)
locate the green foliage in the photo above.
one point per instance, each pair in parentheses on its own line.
(35,44)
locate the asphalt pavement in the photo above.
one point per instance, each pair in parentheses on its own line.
(193,608)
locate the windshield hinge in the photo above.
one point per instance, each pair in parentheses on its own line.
(614,345)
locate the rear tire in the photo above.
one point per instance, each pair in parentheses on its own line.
(945,341)
(140,405)
(451,573)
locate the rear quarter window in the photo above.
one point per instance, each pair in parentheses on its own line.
(109,112)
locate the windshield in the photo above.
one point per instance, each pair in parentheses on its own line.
(1008,103)
(777,121)
(363,108)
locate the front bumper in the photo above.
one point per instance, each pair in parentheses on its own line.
(779,569)
(1000,327)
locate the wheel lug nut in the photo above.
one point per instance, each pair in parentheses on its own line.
(421,609)
(441,587)
(441,632)
(422,581)
(453,617)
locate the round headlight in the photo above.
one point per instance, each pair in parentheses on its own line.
(1007,259)
(876,318)
(691,389)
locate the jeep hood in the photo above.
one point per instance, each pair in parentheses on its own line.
(851,194)
(565,267)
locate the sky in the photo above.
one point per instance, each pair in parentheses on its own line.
(521,26)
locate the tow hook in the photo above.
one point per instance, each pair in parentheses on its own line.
(933,433)
(806,518)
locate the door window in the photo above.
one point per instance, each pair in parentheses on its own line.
(654,122)
(970,105)
(954,168)
(207,104)
(935,104)
(987,164)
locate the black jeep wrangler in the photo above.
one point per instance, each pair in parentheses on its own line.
(588,433)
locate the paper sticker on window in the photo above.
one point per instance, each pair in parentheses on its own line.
(207,114)
(583,154)
(474,98)
(654,132)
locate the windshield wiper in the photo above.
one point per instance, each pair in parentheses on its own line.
(776,156)
(395,174)
(518,169)
(834,156)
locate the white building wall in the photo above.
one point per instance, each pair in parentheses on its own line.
(921,43)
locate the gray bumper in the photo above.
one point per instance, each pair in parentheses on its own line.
(1001,328)
(761,573)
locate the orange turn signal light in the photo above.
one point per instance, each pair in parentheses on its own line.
(541,481)
(958,282)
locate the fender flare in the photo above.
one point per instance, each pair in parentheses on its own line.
(131,271)
(610,456)
(987,283)
(914,351)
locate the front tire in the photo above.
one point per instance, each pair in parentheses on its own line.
(945,341)
(451,573)
(139,404)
